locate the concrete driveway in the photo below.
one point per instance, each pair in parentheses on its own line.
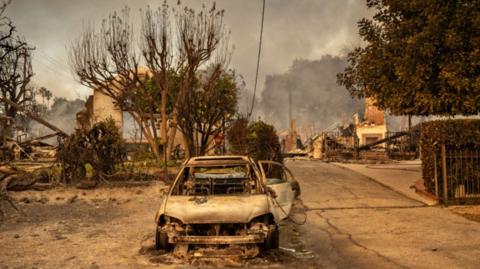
(354,222)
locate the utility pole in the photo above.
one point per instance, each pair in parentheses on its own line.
(290,117)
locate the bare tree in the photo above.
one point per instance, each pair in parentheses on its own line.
(200,38)
(15,68)
(209,106)
(106,59)
(202,41)
(8,40)
(15,76)
(157,50)
(174,54)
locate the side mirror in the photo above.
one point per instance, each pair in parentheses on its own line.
(271,192)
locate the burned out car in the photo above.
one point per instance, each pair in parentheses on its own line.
(223,200)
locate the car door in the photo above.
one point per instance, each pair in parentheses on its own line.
(275,176)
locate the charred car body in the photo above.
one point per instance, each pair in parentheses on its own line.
(224,200)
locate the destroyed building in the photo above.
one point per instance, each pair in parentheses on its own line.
(346,138)
(100,106)
(373,127)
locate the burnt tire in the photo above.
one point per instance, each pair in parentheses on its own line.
(161,240)
(273,238)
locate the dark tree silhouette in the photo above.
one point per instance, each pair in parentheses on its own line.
(421,57)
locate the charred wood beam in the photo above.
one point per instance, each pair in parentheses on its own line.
(40,138)
(34,117)
(381,141)
(413,130)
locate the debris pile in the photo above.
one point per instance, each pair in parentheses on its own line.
(15,179)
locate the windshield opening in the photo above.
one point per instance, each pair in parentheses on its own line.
(216,180)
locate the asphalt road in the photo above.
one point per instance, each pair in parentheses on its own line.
(354,222)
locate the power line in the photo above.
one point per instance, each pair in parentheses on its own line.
(58,72)
(53,63)
(258,60)
(52,60)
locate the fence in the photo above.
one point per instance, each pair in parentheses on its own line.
(403,147)
(336,145)
(457,174)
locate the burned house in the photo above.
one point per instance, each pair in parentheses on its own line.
(373,127)
(346,139)
(99,107)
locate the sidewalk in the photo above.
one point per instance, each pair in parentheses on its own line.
(400,177)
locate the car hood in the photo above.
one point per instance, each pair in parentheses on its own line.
(216,209)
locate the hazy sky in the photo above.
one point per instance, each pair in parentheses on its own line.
(294,29)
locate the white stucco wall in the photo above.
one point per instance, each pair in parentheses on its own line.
(371,131)
(104,108)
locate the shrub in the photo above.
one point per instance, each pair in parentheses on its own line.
(456,134)
(258,140)
(101,148)
(262,142)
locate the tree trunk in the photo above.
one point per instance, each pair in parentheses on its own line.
(148,136)
(186,144)
(204,144)
(16,107)
(189,138)
(409,123)
(163,111)
(171,141)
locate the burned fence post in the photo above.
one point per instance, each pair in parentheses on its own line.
(435,174)
(444,174)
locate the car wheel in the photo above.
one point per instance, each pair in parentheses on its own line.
(161,240)
(273,238)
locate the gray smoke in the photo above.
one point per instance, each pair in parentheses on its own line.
(62,114)
(317,100)
(294,29)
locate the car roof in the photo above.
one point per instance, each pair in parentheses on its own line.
(218,160)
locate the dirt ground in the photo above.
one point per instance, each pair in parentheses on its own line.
(112,227)
(471,212)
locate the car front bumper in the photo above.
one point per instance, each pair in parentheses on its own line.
(217,240)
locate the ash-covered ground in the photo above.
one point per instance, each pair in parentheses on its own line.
(113,227)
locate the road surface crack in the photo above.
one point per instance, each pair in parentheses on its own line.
(353,241)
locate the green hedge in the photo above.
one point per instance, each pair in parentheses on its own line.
(263,142)
(458,134)
(256,139)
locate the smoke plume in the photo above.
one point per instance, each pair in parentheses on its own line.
(317,101)
(62,114)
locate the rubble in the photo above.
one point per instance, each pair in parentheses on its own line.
(364,141)
(14,179)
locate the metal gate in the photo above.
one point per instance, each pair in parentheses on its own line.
(457,174)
